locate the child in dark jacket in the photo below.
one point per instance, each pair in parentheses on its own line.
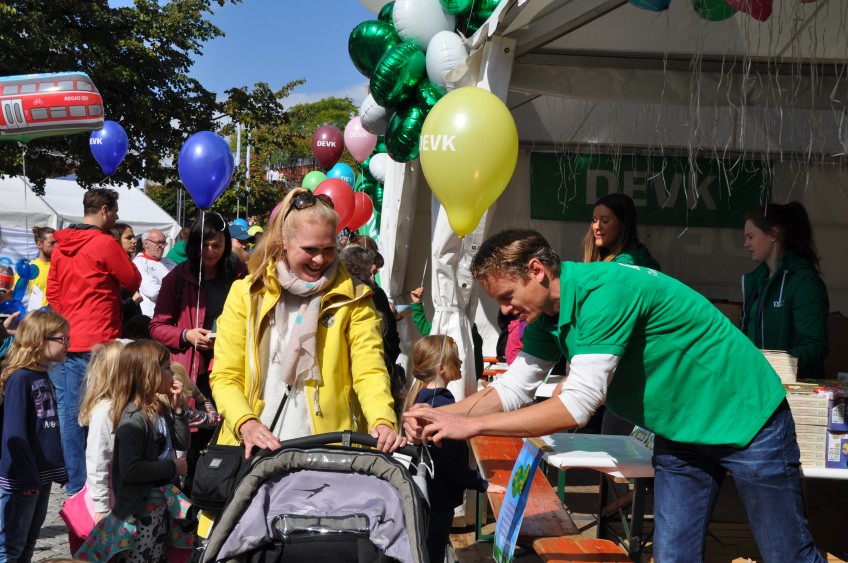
(148,520)
(31,458)
(435,361)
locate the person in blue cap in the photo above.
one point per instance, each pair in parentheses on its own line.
(241,238)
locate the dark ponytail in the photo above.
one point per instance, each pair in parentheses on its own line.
(792,221)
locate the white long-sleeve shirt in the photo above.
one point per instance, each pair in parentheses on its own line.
(98,457)
(152,272)
(582,393)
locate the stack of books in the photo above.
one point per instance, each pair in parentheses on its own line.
(785,365)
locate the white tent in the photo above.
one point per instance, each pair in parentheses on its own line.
(606,79)
(61,205)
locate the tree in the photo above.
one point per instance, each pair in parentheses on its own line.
(138,58)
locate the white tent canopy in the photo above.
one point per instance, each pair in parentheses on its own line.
(61,205)
(607,78)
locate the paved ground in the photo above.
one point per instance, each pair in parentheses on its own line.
(53,541)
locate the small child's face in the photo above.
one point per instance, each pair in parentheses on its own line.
(167,380)
(453,372)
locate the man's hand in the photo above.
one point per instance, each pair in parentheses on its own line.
(388,440)
(423,423)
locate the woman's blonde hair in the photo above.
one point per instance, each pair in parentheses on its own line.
(140,376)
(283,227)
(428,355)
(35,328)
(101,375)
(181,375)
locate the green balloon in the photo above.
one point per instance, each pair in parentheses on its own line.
(428,94)
(397,74)
(457,7)
(381,145)
(311,180)
(368,42)
(365,171)
(482,10)
(386,13)
(713,10)
(403,133)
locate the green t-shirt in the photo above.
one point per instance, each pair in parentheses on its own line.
(685,371)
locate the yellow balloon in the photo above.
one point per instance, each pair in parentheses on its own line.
(468,148)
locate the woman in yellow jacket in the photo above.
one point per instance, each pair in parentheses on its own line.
(299,347)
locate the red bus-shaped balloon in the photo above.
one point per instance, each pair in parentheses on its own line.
(41,105)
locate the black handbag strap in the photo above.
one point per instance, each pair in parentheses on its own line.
(214,438)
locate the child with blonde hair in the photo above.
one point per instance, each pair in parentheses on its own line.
(200,411)
(31,459)
(96,413)
(435,363)
(149,510)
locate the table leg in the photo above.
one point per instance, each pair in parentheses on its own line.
(637,517)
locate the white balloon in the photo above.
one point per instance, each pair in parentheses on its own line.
(445,52)
(378,165)
(374,117)
(374,5)
(418,21)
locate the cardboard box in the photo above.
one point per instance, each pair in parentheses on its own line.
(818,409)
(811,435)
(813,463)
(837,450)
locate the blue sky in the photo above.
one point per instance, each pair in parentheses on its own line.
(277,41)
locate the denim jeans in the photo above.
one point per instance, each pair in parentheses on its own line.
(21,518)
(67,379)
(767,476)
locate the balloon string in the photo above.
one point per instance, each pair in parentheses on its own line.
(26,202)
(424,273)
(199,278)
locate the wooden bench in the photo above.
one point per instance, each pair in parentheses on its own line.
(547,527)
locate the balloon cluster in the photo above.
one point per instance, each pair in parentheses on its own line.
(339,181)
(466,139)
(717,10)
(26,273)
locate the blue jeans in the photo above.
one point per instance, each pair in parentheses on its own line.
(21,518)
(67,379)
(767,475)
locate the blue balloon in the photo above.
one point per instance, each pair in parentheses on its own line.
(343,172)
(242,223)
(653,5)
(26,272)
(206,167)
(109,146)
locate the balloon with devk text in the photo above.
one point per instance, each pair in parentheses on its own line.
(358,141)
(343,172)
(327,145)
(468,151)
(109,146)
(206,167)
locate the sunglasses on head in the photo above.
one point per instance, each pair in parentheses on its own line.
(308,199)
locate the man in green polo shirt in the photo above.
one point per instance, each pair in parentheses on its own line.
(685,373)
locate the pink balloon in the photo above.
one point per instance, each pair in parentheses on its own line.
(342,195)
(327,145)
(362,213)
(358,141)
(758,9)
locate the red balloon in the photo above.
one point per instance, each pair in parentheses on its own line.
(362,212)
(342,195)
(327,145)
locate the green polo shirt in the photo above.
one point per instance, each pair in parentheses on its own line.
(686,373)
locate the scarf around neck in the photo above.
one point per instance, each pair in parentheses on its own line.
(297,358)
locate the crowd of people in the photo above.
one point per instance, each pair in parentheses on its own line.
(117,383)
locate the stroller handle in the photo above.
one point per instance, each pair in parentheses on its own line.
(347,438)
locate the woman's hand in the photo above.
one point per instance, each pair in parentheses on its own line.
(198,336)
(182,466)
(254,433)
(388,440)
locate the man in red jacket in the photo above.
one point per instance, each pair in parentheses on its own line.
(87,271)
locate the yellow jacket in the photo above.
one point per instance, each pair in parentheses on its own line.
(354,393)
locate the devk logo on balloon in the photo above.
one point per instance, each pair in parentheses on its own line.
(437,143)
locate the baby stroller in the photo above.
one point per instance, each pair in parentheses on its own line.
(312,501)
